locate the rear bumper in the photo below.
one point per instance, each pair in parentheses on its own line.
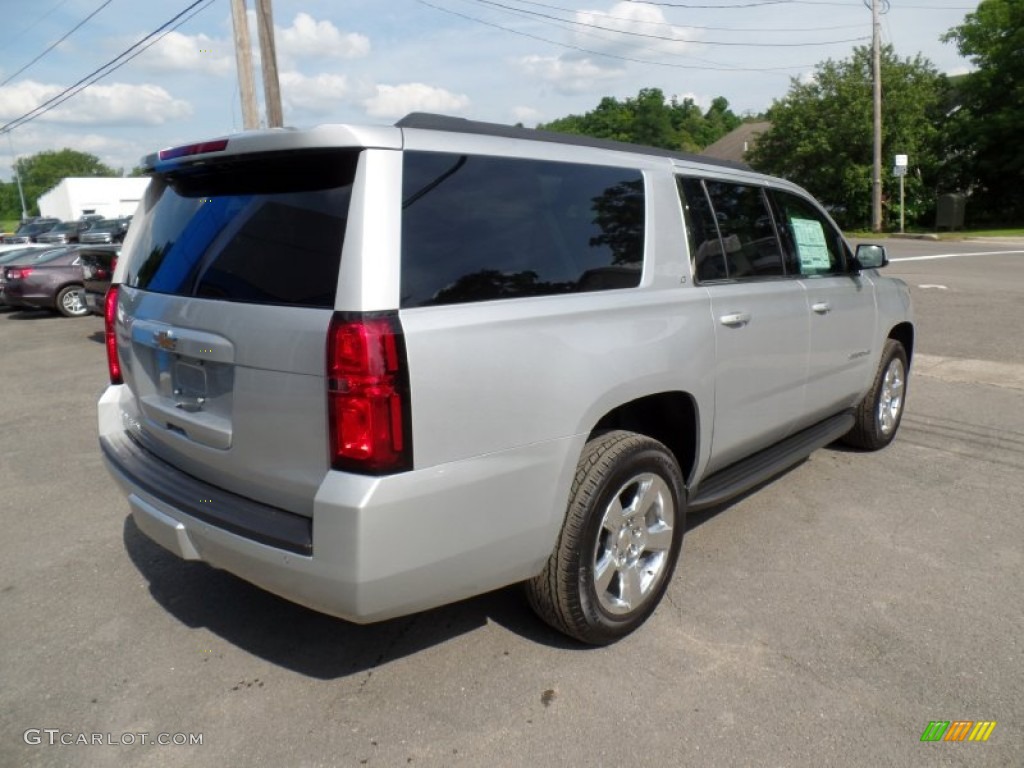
(379,547)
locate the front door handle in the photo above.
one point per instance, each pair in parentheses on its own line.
(735,319)
(822,307)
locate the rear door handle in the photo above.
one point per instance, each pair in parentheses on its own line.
(735,319)
(822,307)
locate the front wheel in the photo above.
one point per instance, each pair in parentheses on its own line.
(879,414)
(71,301)
(620,541)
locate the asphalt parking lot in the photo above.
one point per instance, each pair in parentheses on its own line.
(824,620)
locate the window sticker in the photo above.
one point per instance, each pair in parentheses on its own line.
(811,247)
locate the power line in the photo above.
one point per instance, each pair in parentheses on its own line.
(664,37)
(111,66)
(61,40)
(644,22)
(608,55)
(33,24)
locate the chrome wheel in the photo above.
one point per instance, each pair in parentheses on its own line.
(71,302)
(631,555)
(890,398)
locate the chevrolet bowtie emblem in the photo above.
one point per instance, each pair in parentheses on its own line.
(165,340)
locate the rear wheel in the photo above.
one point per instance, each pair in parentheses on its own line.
(71,301)
(620,541)
(879,414)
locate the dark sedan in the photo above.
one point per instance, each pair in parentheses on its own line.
(52,281)
(105,231)
(98,262)
(25,254)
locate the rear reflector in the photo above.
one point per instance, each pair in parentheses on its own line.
(110,337)
(194,149)
(368,394)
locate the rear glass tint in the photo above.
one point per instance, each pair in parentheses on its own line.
(264,229)
(479,228)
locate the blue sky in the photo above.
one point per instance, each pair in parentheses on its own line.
(372,61)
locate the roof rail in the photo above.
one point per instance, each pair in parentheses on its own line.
(427,121)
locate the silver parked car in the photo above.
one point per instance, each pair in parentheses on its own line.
(379,369)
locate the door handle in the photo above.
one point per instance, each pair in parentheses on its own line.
(735,319)
(822,307)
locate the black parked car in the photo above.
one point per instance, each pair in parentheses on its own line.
(98,262)
(30,230)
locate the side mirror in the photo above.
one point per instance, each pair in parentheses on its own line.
(870,257)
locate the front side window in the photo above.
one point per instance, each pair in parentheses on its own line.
(478,228)
(812,245)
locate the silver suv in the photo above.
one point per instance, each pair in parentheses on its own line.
(378,369)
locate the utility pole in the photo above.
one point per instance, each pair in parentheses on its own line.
(243,61)
(876,170)
(17,177)
(268,57)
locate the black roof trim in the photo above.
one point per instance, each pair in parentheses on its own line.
(427,121)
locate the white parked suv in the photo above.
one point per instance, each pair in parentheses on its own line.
(378,369)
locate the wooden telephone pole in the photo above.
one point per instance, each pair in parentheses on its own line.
(268,58)
(243,61)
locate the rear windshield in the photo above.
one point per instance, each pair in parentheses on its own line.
(262,229)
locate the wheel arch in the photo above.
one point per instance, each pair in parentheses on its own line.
(904,334)
(671,418)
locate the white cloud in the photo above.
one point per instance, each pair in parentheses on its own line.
(569,74)
(319,94)
(399,100)
(307,37)
(647,32)
(528,116)
(190,53)
(115,104)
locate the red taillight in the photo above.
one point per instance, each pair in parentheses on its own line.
(18,273)
(368,394)
(109,316)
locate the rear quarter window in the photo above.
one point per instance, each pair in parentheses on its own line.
(477,228)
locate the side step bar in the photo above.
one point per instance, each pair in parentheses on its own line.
(744,475)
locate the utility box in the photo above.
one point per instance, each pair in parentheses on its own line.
(949,213)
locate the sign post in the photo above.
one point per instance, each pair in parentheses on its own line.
(900,170)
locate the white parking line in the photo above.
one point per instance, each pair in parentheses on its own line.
(952,255)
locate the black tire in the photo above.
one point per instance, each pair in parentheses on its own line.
(71,301)
(881,410)
(635,474)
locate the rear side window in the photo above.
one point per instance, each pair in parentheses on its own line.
(264,229)
(749,241)
(478,228)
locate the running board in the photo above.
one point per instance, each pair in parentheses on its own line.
(747,473)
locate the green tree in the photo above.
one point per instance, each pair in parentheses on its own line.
(821,134)
(649,119)
(986,155)
(42,171)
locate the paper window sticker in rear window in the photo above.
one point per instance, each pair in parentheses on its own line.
(811,248)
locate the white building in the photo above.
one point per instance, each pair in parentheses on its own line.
(109,197)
